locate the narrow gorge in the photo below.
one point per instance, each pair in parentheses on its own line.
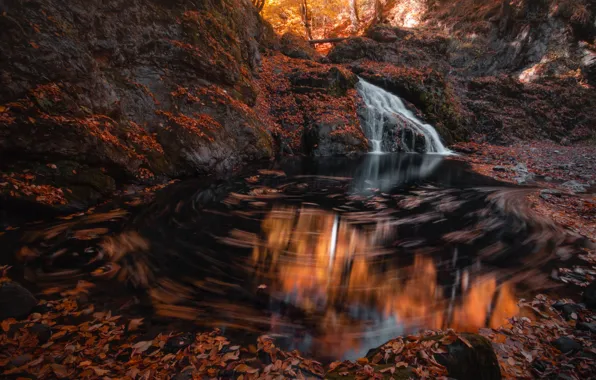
(272,189)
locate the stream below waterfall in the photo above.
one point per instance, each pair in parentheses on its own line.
(330,256)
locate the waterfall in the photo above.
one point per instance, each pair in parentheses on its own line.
(383,107)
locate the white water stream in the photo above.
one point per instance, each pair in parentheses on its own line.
(383,107)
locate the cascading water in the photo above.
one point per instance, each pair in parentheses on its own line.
(383,108)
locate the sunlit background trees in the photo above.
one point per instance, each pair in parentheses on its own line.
(319,19)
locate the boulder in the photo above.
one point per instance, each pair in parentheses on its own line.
(575,186)
(15,301)
(295,46)
(478,362)
(566,345)
(589,296)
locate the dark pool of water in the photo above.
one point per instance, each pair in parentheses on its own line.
(332,256)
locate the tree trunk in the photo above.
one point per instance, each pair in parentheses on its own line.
(306,18)
(259,4)
(355,20)
(378,12)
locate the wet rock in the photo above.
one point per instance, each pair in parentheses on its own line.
(177,343)
(295,46)
(566,345)
(589,296)
(569,310)
(15,301)
(585,326)
(575,186)
(478,362)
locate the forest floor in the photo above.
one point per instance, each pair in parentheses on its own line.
(74,333)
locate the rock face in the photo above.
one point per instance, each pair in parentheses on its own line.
(504,70)
(312,107)
(15,301)
(99,93)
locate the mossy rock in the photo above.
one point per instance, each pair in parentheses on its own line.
(478,362)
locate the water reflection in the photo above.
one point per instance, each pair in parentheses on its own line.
(363,293)
(334,256)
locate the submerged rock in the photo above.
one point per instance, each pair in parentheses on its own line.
(15,301)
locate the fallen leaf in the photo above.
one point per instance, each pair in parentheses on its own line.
(141,347)
(134,324)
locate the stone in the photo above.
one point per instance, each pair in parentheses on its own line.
(548,179)
(575,186)
(15,301)
(568,309)
(589,297)
(476,363)
(550,192)
(585,326)
(566,345)
(177,343)
(295,46)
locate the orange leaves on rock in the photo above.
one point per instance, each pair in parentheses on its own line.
(49,91)
(22,185)
(198,124)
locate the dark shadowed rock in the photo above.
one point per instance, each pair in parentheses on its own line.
(569,310)
(15,301)
(478,362)
(566,345)
(177,343)
(589,296)
(148,91)
(585,326)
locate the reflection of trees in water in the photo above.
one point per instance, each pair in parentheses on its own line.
(341,276)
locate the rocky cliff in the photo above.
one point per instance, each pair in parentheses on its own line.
(498,70)
(96,94)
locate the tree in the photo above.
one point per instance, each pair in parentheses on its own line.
(259,4)
(354,17)
(306,16)
(378,11)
